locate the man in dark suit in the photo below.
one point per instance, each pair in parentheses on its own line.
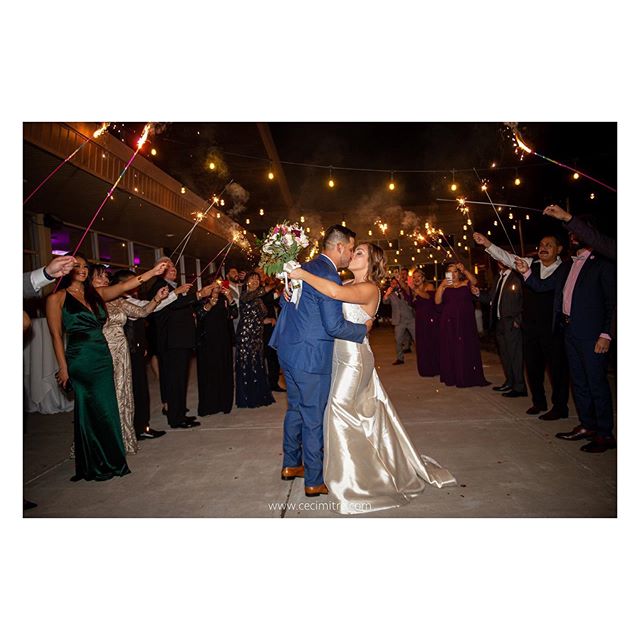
(176,339)
(543,347)
(505,301)
(584,303)
(304,336)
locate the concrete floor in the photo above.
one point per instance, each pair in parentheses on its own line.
(507,464)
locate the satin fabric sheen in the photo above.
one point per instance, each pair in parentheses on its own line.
(370,463)
(99,449)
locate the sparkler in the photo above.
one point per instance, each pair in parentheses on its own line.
(486,204)
(141,141)
(486,192)
(226,246)
(520,144)
(96,134)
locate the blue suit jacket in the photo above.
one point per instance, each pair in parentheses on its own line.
(304,336)
(594,296)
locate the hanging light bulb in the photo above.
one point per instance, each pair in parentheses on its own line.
(401,232)
(464,227)
(576,175)
(183,190)
(592,196)
(526,217)
(495,223)
(514,226)
(392,184)
(344,223)
(517,181)
(489,232)
(370,232)
(301,218)
(331,183)
(493,165)
(469,221)
(153,152)
(510,215)
(248,221)
(453,186)
(261,212)
(222,203)
(212,165)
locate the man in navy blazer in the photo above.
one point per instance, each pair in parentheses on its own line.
(584,306)
(303,337)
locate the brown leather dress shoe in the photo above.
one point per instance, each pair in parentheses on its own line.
(579,433)
(599,444)
(289,473)
(313,492)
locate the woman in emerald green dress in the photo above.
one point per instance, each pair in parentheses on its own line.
(87,367)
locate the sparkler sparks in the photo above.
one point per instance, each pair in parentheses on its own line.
(522,148)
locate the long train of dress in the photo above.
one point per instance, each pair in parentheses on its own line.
(369,461)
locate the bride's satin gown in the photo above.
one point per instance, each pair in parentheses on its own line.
(369,461)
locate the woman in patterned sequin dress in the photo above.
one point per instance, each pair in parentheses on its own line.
(252,384)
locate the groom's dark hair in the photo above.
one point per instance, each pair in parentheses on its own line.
(337,233)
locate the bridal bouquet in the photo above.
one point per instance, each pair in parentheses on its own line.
(279,252)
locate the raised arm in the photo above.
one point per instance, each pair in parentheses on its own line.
(54,320)
(362,293)
(116,290)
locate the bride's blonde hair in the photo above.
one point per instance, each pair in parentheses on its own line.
(377,263)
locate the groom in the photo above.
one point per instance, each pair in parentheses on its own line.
(303,337)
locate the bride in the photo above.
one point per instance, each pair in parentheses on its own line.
(369,461)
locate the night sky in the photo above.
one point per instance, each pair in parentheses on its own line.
(184,150)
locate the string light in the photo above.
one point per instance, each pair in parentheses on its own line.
(510,215)
(153,152)
(495,223)
(331,183)
(344,223)
(301,218)
(212,165)
(489,232)
(370,232)
(454,186)
(576,175)
(493,165)
(183,190)
(248,221)
(222,203)
(392,184)
(517,181)
(401,232)
(271,175)
(592,196)
(261,212)
(526,217)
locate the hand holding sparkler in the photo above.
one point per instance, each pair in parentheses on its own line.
(60,266)
(482,240)
(521,265)
(557,212)
(183,288)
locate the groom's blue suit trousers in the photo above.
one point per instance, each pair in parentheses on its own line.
(307,394)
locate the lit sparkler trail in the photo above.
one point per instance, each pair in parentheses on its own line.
(96,134)
(520,143)
(486,192)
(455,253)
(486,204)
(226,246)
(199,217)
(141,141)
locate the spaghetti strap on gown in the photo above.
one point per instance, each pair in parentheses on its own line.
(99,449)
(369,461)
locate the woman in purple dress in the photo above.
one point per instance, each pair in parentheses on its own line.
(460,361)
(427,325)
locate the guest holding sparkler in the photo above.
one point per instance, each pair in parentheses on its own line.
(86,364)
(215,316)
(252,384)
(460,360)
(427,325)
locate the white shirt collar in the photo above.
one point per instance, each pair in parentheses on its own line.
(330,260)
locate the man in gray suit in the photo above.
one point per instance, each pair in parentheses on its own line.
(403,316)
(505,301)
